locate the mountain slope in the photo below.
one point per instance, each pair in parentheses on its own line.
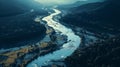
(100,54)
(17,23)
(14,7)
(97,17)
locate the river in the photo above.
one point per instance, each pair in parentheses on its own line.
(67,48)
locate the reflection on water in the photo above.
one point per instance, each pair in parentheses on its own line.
(67,48)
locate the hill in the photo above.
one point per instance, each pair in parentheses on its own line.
(96,17)
(17,23)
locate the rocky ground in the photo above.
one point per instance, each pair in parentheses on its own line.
(99,54)
(98,26)
(21,56)
(25,54)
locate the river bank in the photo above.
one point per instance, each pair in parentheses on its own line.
(67,48)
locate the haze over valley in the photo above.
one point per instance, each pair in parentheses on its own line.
(59,33)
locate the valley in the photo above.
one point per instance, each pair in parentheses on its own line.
(61,34)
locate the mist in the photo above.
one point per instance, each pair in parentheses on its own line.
(60,2)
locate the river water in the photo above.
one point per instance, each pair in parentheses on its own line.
(66,50)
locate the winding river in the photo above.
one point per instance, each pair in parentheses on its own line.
(67,48)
